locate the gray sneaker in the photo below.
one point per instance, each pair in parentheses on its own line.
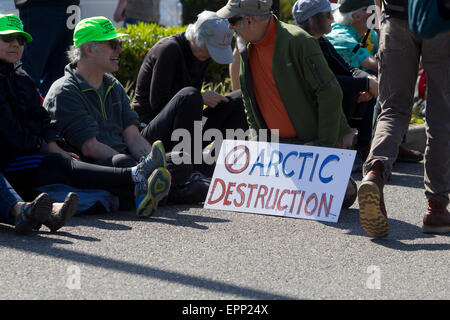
(154,160)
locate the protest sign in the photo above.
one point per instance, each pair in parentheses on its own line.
(280,179)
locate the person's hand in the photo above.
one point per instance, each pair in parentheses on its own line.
(347,140)
(364,97)
(119,13)
(212,99)
(373,86)
(53,147)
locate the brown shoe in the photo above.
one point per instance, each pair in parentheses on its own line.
(437,218)
(372,211)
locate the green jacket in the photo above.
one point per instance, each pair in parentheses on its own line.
(307,87)
(80,113)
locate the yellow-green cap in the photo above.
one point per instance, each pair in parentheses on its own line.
(95,29)
(10,23)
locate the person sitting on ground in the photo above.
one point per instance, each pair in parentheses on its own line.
(286,82)
(168,90)
(91,108)
(28,216)
(31,155)
(301,100)
(360,89)
(169,98)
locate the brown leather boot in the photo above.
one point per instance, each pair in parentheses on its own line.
(372,211)
(437,218)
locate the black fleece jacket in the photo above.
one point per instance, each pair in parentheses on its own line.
(24,124)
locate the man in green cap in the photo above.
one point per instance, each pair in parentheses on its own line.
(91,108)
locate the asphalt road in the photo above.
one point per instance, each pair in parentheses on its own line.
(191,253)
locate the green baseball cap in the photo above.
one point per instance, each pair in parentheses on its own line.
(10,23)
(95,29)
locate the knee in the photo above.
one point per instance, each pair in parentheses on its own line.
(192,98)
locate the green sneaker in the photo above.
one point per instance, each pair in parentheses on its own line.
(149,193)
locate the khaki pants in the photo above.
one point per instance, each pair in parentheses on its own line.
(399,57)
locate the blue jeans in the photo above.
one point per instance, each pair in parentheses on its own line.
(8,198)
(45,57)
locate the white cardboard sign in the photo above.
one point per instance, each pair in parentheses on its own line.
(295,181)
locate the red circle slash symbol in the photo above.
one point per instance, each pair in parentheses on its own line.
(233,162)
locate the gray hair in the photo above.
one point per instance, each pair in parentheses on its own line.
(194,30)
(345,18)
(76,53)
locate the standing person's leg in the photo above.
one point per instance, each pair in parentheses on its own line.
(62,39)
(436,62)
(399,60)
(44,58)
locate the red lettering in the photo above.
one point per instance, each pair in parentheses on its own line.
(251,186)
(311,212)
(279,200)
(261,195)
(241,193)
(300,204)
(214,188)
(274,199)
(226,202)
(295,193)
(323,201)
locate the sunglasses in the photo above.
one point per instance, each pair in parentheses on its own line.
(233,20)
(114,44)
(11,37)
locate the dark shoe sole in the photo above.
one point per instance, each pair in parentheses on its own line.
(66,212)
(371,217)
(41,208)
(435,229)
(158,187)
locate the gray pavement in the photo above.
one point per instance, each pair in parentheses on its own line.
(193,253)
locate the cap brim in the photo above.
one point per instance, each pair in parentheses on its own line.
(27,36)
(226,12)
(334,6)
(220,55)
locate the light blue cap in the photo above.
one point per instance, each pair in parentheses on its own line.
(305,9)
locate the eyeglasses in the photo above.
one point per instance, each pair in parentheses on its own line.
(233,20)
(114,44)
(11,37)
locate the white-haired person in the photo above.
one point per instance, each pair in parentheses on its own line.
(29,140)
(168,92)
(351,36)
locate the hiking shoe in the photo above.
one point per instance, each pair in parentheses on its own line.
(155,159)
(194,191)
(437,218)
(149,193)
(408,155)
(57,220)
(372,211)
(33,213)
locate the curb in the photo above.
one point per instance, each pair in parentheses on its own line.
(416,137)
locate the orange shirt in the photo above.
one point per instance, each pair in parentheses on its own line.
(266,92)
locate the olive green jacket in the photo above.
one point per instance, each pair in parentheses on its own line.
(307,87)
